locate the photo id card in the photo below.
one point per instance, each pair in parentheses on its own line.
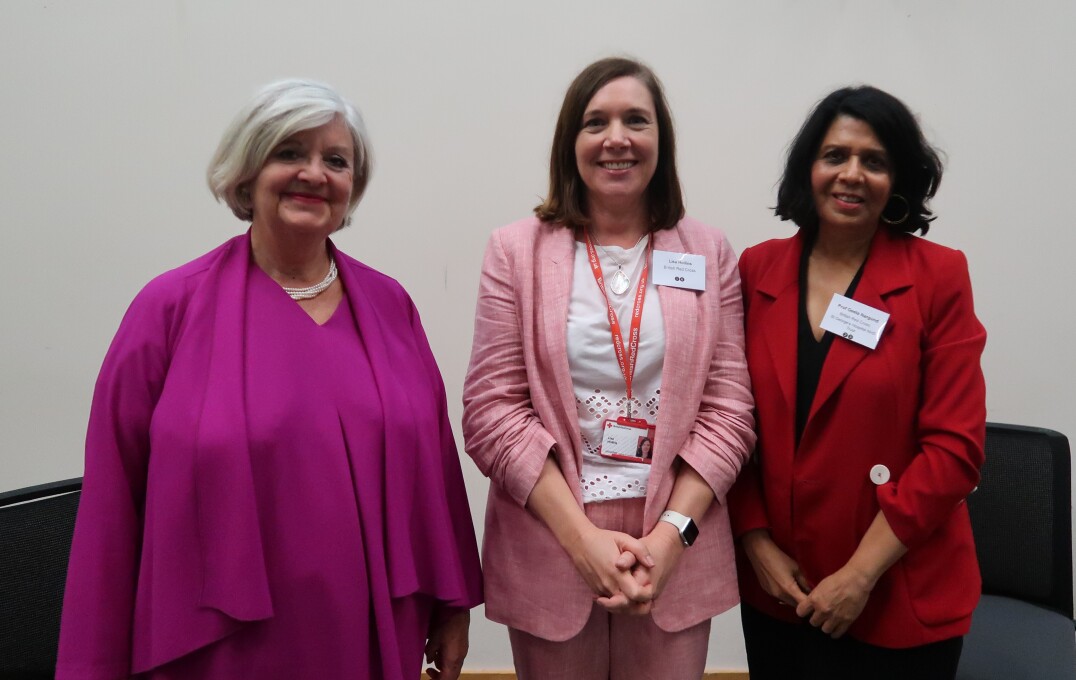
(679,270)
(628,439)
(855,321)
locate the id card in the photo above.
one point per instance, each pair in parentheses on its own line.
(855,321)
(628,439)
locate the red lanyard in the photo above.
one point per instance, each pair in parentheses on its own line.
(626,359)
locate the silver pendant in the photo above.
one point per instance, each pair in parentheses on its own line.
(619,282)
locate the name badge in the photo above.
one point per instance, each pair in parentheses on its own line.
(855,321)
(628,439)
(679,270)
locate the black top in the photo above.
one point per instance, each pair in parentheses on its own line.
(811,353)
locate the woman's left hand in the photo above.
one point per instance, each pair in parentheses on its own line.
(447,647)
(691,495)
(665,549)
(837,601)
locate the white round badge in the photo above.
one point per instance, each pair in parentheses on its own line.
(879,474)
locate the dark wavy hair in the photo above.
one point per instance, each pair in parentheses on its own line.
(566,203)
(916,165)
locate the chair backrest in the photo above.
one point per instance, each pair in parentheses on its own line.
(1022,516)
(36,525)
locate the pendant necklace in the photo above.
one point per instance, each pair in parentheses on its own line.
(619,281)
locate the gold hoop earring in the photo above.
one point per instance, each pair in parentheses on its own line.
(907,211)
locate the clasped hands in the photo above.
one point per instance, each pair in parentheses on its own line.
(626,574)
(832,605)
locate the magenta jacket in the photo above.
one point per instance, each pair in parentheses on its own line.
(167,554)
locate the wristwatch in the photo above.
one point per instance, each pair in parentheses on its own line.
(686,526)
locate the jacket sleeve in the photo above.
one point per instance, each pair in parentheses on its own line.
(95,631)
(501,429)
(723,435)
(460,569)
(952,410)
(747,508)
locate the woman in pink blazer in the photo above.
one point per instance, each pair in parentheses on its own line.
(870,437)
(589,551)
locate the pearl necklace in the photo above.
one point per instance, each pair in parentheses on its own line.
(316,289)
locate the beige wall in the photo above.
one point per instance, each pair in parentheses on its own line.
(111,109)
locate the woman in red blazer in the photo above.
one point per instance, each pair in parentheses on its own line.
(544,380)
(864,351)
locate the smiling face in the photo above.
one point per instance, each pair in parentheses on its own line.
(851,178)
(616,151)
(306,182)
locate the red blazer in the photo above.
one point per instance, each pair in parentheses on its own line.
(518,404)
(916,404)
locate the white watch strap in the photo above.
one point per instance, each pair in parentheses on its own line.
(680,521)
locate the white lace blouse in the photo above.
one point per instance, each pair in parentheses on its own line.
(600,393)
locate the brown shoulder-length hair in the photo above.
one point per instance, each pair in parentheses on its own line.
(566,203)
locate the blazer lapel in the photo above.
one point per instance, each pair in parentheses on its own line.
(886,271)
(776,309)
(555,258)
(679,314)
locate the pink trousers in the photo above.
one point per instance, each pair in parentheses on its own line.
(614,646)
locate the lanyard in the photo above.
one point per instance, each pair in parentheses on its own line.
(625,358)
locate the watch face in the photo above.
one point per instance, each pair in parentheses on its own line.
(691,532)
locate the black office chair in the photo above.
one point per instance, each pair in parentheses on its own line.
(1021,516)
(36,525)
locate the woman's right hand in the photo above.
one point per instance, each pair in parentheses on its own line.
(778,573)
(595,553)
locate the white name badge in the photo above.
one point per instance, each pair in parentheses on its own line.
(854,321)
(680,270)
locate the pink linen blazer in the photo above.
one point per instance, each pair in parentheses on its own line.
(519,405)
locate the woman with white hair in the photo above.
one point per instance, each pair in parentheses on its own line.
(272,488)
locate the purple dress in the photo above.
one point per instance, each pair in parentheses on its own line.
(266,497)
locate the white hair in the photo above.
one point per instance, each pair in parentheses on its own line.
(277,112)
